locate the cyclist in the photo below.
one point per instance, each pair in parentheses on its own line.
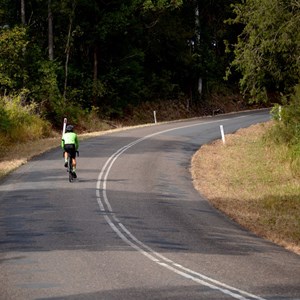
(69,144)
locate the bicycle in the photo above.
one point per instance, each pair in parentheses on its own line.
(72,176)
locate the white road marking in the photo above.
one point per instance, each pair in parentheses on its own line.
(131,240)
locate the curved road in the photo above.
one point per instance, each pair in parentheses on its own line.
(132,226)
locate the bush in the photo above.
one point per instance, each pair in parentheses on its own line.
(287,128)
(20,123)
(287,117)
(91,121)
(5,122)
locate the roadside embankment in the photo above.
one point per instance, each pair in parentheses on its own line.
(252,183)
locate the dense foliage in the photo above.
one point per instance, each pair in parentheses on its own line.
(72,55)
(267,51)
(267,57)
(19,123)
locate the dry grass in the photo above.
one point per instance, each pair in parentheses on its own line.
(17,155)
(252,183)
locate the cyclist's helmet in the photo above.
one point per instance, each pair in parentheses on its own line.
(69,128)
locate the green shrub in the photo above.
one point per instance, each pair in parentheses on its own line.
(20,123)
(5,122)
(287,128)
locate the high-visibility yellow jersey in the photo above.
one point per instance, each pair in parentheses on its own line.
(70,138)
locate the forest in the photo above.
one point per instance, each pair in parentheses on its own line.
(74,55)
(87,59)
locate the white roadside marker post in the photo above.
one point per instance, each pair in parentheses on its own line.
(154,114)
(64,126)
(222,134)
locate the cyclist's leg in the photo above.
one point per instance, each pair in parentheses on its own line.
(69,162)
(66,158)
(73,155)
(74,163)
(74,167)
(69,149)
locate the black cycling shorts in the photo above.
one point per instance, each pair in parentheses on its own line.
(70,148)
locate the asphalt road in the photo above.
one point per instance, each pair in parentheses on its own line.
(132,226)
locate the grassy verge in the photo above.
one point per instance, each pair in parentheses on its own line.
(253,184)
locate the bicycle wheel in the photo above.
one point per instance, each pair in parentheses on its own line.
(70,167)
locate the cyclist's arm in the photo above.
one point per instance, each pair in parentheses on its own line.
(76,142)
(63,144)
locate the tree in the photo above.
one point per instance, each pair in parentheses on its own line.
(267,51)
(210,33)
(68,45)
(112,41)
(50,32)
(23,20)
(114,53)
(12,69)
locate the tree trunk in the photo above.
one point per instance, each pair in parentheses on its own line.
(67,60)
(50,32)
(95,76)
(23,19)
(68,48)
